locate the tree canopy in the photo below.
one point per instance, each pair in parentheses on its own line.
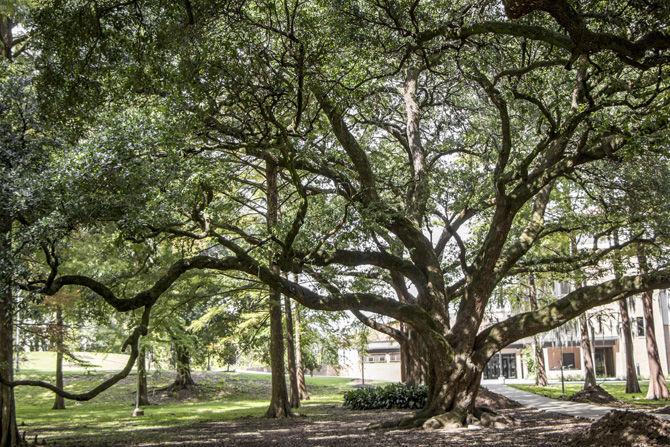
(426,152)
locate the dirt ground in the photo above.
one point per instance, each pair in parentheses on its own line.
(334,426)
(625,429)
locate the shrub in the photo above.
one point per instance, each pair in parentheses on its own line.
(394,395)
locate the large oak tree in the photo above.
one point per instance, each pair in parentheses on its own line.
(422,146)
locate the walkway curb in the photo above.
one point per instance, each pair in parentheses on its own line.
(576,409)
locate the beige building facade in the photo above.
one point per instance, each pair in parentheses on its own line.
(561,348)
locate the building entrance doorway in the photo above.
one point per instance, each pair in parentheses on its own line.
(492,370)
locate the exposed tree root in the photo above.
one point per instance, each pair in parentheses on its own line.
(280,412)
(452,420)
(409,422)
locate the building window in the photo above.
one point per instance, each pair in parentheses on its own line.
(569,360)
(395,357)
(376,358)
(639,326)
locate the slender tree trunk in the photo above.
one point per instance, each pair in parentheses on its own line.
(300,369)
(587,353)
(411,367)
(632,384)
(17,344)
(279,404)
(404,364)
(9,433)
(658,389)
(142,389)
(294,400)
(540,370)
(59,402)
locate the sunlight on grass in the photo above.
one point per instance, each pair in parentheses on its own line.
(220,397)
(616,389)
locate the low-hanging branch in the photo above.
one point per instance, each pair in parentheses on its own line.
(132,341)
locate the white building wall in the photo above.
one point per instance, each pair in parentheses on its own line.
(386,371)
(390,371)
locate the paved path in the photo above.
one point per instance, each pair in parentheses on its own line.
(590,411)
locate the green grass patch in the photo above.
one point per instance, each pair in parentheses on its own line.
(46,361)
(219,397)
(616,389)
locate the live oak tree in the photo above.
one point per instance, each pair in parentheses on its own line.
(424,145)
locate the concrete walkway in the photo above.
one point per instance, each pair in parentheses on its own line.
(589,411)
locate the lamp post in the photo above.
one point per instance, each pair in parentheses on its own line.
(560,344)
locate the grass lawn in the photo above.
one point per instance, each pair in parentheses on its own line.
(219,396)
(616,389)
(46,361)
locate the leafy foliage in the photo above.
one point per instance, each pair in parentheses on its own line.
(393,395)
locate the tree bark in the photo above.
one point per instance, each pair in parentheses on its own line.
(300,369)
(142,390)
(658,389)
(538,351)
(540,370)
(294,399)
(411,367)
(59,402)
(279,404)
(632,383)
(183,379)
(587,353)
(452,390)
(9,433)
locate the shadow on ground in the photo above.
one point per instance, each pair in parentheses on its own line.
(327,426)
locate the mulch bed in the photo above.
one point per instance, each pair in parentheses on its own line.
(625,429)
(334,426)
(494,401)
(594,395)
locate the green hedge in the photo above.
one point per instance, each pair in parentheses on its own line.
(394,395)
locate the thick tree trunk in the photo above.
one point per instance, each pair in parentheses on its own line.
(59,402)
(632,384)
(587,353)
(294,400)
(452,389)
(279,405)
(658,389)
(183,380)
(300,369)
(453,380)
(142,389)
(540,370)
(9,433)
